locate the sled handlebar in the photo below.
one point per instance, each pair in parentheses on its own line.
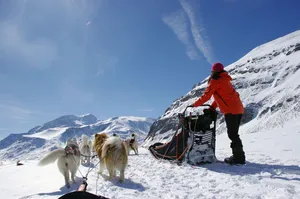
(183,113)
(196,107)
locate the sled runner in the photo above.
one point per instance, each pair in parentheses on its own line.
(194,140)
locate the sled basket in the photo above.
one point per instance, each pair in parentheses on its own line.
(194,140)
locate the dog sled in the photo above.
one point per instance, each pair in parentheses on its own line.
(194,140)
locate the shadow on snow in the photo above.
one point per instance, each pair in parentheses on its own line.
(250,168)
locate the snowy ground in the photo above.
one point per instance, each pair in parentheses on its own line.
(272,171)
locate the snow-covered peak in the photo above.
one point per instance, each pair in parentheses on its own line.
(278,44)
(66,121)
(54,133)
(88,119)
(267,79)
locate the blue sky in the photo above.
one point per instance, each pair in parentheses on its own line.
(115,58)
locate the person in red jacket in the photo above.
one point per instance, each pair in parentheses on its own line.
(229,103)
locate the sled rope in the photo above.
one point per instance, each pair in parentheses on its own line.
(172,138)
(73,158)
(181,120)
(89,170)
(97,184)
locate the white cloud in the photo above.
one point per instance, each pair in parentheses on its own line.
(198,31)
(178,23)
(38,53)
(189,31)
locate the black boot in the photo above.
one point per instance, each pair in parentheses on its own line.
(238,156)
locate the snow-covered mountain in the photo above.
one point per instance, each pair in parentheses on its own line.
(267,79)
(53,134)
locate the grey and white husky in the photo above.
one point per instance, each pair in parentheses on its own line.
(68,160)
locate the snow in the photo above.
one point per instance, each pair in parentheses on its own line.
(279,43)
(52,135)
(48,134)
(272,171)
(267,79)
(80,123)
(268,75)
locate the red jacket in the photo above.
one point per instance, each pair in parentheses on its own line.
(225,96)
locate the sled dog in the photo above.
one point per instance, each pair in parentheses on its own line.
(132,144)
(112,153)
(85,149)
(68,160)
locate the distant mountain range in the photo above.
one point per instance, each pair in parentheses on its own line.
(53,134)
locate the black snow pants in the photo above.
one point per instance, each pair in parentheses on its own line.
(233,123)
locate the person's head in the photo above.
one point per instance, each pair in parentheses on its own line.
(216,69)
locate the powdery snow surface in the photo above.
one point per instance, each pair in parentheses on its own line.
(48,134)
(272,171)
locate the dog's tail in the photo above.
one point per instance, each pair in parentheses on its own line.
(110,144)
(85,140)
(51,157)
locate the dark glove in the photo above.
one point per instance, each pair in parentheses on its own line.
(210,111)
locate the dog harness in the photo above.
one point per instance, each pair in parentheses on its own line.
(72,149)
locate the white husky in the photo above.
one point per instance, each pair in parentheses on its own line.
(86,149)
(68,160)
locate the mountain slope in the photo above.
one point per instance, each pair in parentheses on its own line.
(267,79)
(53,134)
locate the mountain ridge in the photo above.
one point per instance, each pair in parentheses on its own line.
(53,134)
(267,81)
